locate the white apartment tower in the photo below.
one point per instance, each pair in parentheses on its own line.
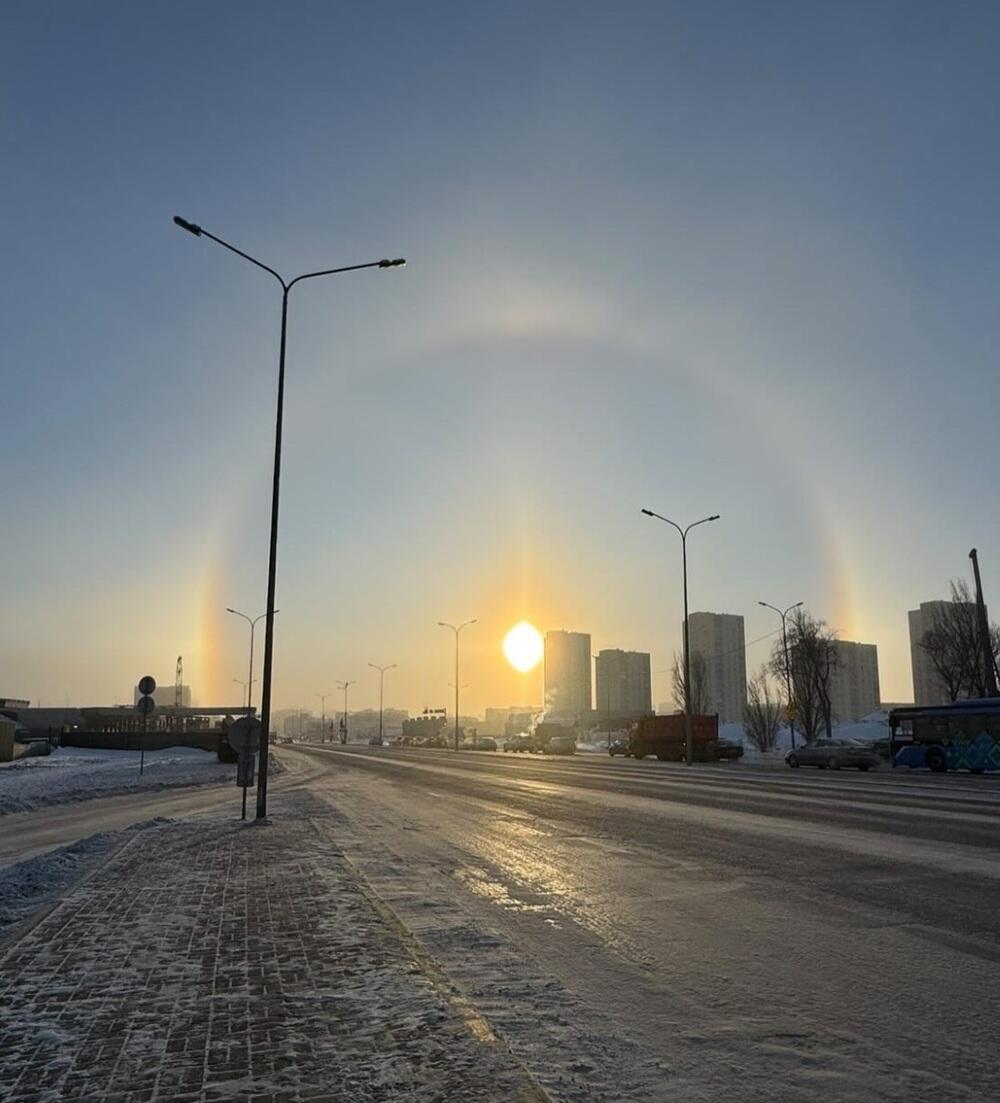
(623,683)
(928,686)
(720,639)
(854,688)
(567,673)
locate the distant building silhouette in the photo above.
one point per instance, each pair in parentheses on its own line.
(928,686)
(567,673)
(720,639)
(623,683)
(854,686)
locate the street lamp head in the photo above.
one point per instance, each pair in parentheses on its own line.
(764,603)
(399,262)
(190,226)
(648,512)
(714,517)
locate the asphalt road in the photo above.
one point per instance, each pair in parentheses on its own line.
(640,930)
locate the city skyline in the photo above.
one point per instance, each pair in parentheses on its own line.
(634,280)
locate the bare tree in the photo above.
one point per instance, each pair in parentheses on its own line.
(762,716)
(699,683)
(953,646)
(812,656)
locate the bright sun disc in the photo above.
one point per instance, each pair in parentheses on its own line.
(523,646)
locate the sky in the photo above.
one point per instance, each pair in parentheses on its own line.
(695,257)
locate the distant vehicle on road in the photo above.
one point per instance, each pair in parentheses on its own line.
(482,743)
(618,746)
(832,754)
(375,741)
(545,732)
(964,735)
(728,750)
(517,743)
(561,744)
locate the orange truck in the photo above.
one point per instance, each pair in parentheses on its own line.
(666,737)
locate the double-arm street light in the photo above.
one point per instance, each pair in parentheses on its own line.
(253,624)
(322,704)
(286,286)
(344,686)
(788,665)
(689,756)
(457,630)
(381,685)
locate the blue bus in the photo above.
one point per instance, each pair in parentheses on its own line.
(964,735)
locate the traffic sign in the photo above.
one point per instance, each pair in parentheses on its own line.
(790,712)
(147,685)
(244,734)
(145,705)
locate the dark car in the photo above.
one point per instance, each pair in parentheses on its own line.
(618,746)
(517,743)
(831,754)
(728,750)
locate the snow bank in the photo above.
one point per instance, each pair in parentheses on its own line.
(73,774)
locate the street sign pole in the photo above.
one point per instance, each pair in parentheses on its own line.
(244,738)
(144,706)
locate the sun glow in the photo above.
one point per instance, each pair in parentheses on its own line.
(523,646)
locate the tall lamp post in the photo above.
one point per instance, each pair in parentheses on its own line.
(689,756)
(788,665)
(246,689)
(286,286)
(381,685)
(253,625)
(457,630)
(322,704)
(344,686)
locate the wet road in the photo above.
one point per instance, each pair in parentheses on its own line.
(640,930)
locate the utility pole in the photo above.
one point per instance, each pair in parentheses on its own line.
(989,663)
(322,704)
(788,665)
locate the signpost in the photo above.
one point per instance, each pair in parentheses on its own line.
(144,706)
(244,737)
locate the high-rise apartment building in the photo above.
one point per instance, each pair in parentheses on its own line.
(567,673)
(720,639)
(928,686)
(623,683)
(854,688)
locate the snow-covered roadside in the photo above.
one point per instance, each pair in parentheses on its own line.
(72,774)
(28,885)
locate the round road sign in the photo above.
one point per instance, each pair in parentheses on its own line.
(244,734)
(145,705)
(147,684)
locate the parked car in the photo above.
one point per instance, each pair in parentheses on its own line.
(482,743)
(618,746)
(561,744)
(728,750)
(831,754)
(517,743)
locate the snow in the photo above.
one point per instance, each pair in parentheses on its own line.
(31,883)
(72,774)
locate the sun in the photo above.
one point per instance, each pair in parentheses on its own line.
(523,646)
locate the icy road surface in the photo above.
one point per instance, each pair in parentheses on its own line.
(640,931)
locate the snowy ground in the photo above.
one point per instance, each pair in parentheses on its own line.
(72,774)
(30,884)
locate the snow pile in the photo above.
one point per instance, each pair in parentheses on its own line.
(73,774)
(31,883)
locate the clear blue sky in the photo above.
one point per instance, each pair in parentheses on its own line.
(701,257)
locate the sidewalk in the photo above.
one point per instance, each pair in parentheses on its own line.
(210,960)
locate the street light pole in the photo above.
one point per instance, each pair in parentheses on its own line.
(286,286)
(322,704)
(457,630)
(344,686)
(381,685)
(253,624)
(689,756)
(788,666)
(246,687)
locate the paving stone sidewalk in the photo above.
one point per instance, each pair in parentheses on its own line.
(210,960)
